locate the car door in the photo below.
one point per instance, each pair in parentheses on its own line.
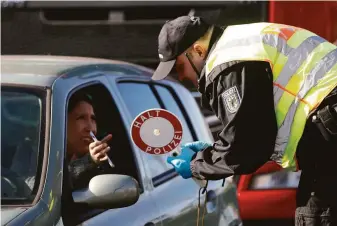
(144,211)
(176,198)
(274,189)
(174,203)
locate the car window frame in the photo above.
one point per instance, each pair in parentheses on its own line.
(86,85)
(94,212)
(181,107)
(45,96)
(167,175)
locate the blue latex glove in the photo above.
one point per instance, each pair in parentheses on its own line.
(181,162)
(197,145)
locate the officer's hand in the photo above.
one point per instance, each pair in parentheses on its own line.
(181,162)
(197,145)
(98,149)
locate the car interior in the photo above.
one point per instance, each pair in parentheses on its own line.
(108,122)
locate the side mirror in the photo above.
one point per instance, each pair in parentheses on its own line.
(109,191)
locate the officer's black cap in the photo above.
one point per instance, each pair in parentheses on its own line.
(175,37)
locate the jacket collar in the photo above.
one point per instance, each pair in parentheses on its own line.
(217,32)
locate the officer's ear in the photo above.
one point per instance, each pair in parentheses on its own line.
(200,50)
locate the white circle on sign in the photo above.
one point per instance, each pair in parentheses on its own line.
(156,132)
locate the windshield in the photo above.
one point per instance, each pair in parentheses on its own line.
(21,111)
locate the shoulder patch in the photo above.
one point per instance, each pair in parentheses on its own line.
(231,99)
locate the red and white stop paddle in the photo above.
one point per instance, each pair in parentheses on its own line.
(158,131)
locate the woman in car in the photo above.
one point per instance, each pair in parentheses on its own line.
(85,157)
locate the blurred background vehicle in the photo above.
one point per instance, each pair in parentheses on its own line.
(268,196)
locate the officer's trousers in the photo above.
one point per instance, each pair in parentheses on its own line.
(317,191)
(316,212)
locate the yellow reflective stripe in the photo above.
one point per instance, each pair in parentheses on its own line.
(316,74)
(278,65)
(298,37)
(323,72)
(312,61)
(272,52)
(282,107)
(248,48)
(295,61)
(323,79)
(288,160)
(299,77)
(254,52)
(242,31)
(277,42)
(236,48)
(323,87)
(210,64)
(298,80)
(297,129)
(278,28)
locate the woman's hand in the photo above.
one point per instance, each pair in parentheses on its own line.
(99,149)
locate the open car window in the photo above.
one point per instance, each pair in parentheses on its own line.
(109,121)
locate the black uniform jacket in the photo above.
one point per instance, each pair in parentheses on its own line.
(240,93)
(241,96)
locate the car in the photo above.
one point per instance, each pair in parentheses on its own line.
(274,189)
(147,190)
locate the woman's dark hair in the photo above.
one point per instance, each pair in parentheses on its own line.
(78,97)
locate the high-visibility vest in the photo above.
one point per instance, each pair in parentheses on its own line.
(304,68)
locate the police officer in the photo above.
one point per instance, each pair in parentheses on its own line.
(273,86)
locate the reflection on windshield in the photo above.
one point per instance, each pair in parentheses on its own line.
(20,138)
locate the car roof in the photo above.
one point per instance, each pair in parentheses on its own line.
(43,70)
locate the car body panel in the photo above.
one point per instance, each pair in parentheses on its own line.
(8,214)
(267,199)
(175,206)
(55,65)
(38,214)
(27,79)
(143,212)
